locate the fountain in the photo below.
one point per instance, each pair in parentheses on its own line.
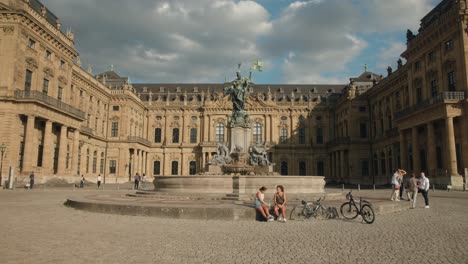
(239,168)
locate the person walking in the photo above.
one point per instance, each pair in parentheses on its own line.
(99,180)
(412,190)
(137,181)
(143,182)
(31,180)
(82,181)
(395,186)
(401,180)
(423,188)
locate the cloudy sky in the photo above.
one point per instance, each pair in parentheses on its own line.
(317,41)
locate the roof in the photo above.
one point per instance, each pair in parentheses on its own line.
(37,5)
(368,76)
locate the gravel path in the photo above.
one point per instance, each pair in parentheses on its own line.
(37,228)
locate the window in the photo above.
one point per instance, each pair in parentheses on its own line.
(451,81)
(156,167)
(175,135)
(320,168)
(382,164)
(362,109)
(45,86)
(31,43)
(302,136)
(59,93)
(365,168)
(175,168)
(87,161)
(95,162)
(363,130)
(389,122)
(40,149)
(257,133)
(28,80)
(112,166)
(193,135)
(192,167)
(115,129)
(67,158)
(302,168)
(115,108)
(376,165)
(434,88)
(220,133)
(96,121)
(48,55)
(417,66)
(432,56)
(449,45)
(319,138)
(101,164)
(62,64)
(157,135)
(284,168)
(283,135)
(284,118)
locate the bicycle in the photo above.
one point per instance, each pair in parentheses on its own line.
(305,210)
(349,210)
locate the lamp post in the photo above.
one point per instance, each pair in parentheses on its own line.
(2,150)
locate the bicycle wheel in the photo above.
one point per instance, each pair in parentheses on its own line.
(298,213)
(368,214)
(349,210)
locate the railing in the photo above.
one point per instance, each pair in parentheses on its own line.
(445,96)
(43,98)
(139,140)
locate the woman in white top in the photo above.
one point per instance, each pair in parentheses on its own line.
(396,182)
(261,205)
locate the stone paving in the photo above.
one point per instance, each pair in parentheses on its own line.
(37,228)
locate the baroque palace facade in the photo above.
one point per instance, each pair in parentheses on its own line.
(60,121)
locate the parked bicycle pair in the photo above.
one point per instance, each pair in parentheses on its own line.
(349,210)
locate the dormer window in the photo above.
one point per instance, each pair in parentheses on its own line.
(145,89)
(161,89)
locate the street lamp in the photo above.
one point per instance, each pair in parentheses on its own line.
(2,150)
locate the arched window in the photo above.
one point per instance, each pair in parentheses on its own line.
(220,133)
(175,167)
(257,133)
(283,135)
(284,168)
(192,167)
(95,162)
(302,168)
(157,135)
(175,135)
(193,135)
(156,167)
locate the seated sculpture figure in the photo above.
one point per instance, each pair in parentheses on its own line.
(222,156)
(259,157)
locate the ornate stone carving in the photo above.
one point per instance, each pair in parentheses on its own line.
(31,64)
(49,73)
(62,81)
(8,30)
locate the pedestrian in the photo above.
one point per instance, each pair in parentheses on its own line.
(261,205)
(31,180)
(395,186)
(423,188)
(99,180)
(280,204)
(412,190)
(143,182)
(82,181)
(401,180)
(137,181)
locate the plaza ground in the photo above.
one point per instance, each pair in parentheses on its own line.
(38,228)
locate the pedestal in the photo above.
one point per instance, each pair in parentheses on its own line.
(239,136)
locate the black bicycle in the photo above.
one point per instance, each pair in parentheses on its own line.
(305,210)
(350,210)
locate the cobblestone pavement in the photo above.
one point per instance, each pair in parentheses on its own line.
(37,228)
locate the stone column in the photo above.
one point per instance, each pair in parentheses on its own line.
(62,151)
(267,129)
(205,128)
(415,150)
(183,129)
(403,151)
(76,146)
(28,158)
(48,148)
(343,164)
(451,152)
(431,150)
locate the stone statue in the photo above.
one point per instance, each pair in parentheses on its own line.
(409,35)
(399,63)
(238,91)
(222,156)
(259,157)
(389,70)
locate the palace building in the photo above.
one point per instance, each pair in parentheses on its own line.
(61,121)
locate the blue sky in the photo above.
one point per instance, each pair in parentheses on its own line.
(316,41)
